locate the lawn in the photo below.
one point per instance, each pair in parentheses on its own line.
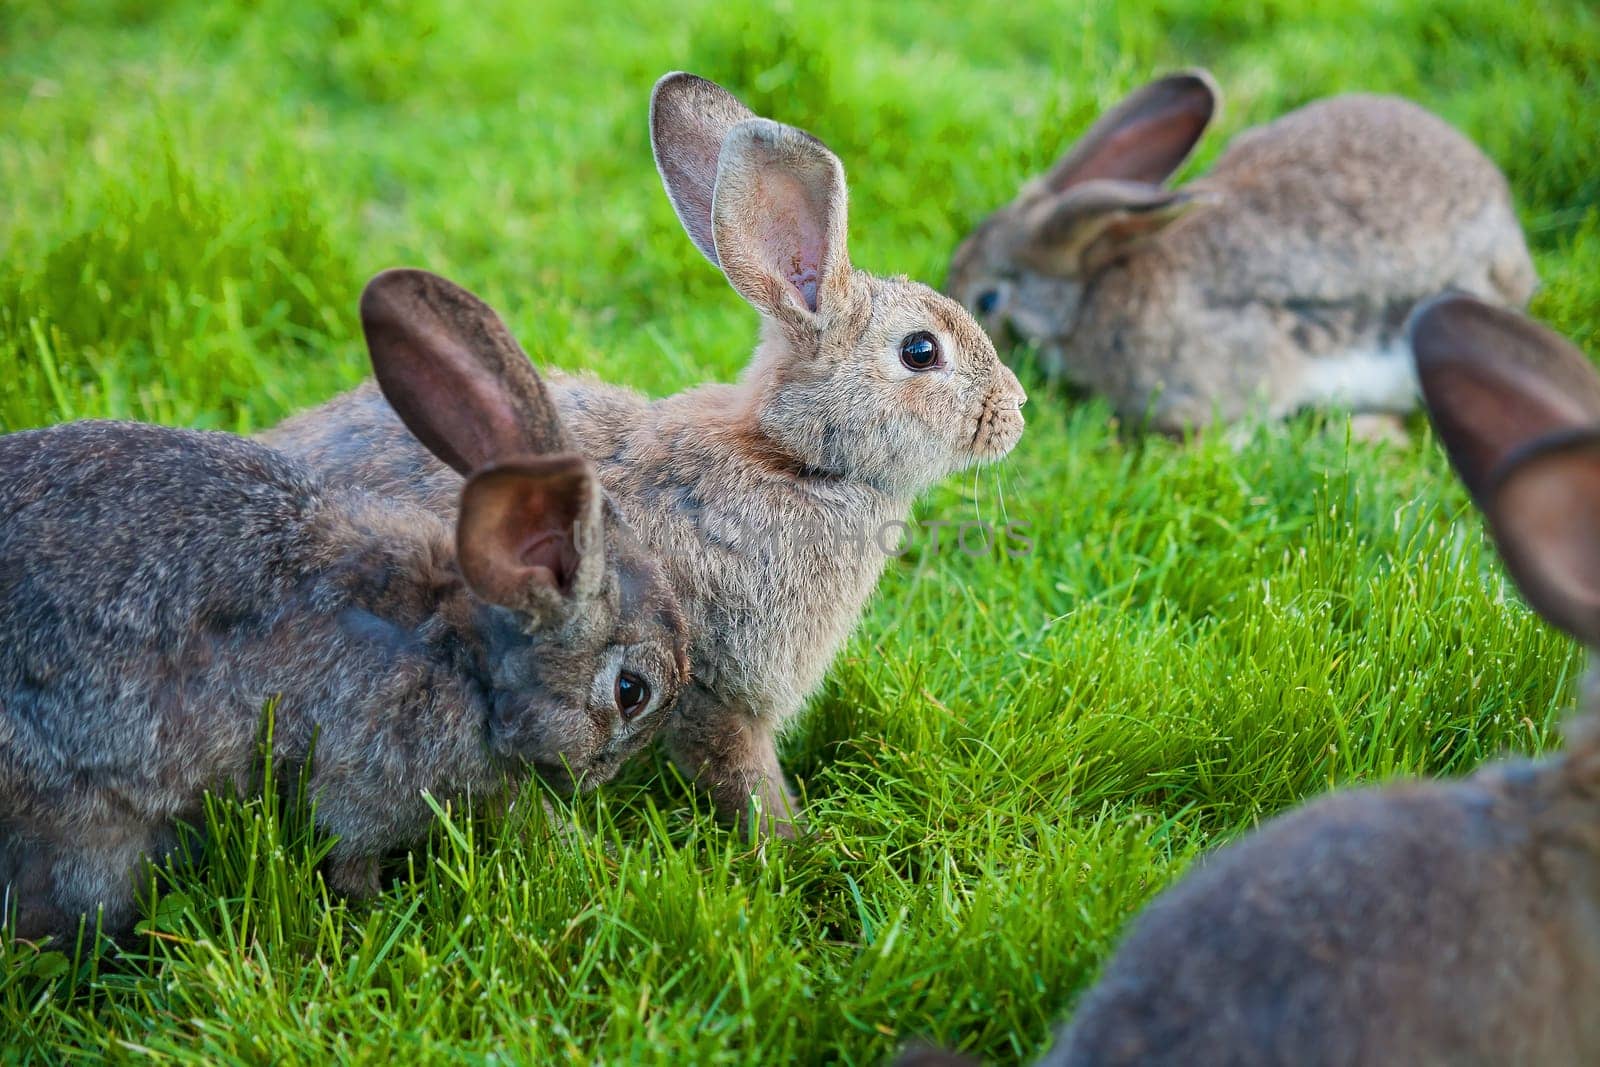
(1013,754)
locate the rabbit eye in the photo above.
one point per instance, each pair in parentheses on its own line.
(987,301)
(920,351)
(633,694)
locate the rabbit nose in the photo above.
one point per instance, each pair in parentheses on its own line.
(1010,388)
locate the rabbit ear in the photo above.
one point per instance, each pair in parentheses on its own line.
(1494,382)
(530,532)
(1518,410)
(1074,233)
(450,369)
(1544,514)
(1144,138)
(689,119)
(780,220)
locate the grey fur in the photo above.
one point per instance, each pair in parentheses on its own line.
(1433,923)
(724,481)
(1307,244)
(163,586)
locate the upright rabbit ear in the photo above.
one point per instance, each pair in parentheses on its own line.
(1494,381)
(530,533)
(1074,233)
(689,119)
(1518,410)
(1146,137)
(450,369)
(780,220)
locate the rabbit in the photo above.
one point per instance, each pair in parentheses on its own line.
(1279,281)
(1430,922)
(771,503)
(162,587)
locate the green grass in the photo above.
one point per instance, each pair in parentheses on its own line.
(1011,756)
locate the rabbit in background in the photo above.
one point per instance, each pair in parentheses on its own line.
(862,393)
(1431,922)
(1281,279)
(163,586)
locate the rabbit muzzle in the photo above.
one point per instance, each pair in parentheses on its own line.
(999,421)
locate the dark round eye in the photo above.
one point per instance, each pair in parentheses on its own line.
(633,694)
(920,351)
(987,301)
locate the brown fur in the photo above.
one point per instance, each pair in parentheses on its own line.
(826,429)
(1307,244)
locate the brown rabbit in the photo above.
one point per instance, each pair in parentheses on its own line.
(162,587)
(1423,923)
(771,503)
(1279,280)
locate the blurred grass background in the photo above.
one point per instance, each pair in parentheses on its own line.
(1012,755)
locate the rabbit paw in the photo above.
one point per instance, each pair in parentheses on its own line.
(352,876)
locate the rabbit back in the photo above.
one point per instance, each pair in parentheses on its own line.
(1431,923)
(1359,194)
(357,441)
(126,552)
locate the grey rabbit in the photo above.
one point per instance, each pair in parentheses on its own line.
(1429,922)
(773,502)
(161,586)
(1280,279)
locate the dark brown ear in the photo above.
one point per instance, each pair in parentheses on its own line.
(450,369)
(1074,233)
(1544,515)
(1146,137)
(1494,381)
(530,531)
(689,119)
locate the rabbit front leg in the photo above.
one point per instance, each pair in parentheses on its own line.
(69,878)
(30,911)
(732,752)
(352,875)
(369,816)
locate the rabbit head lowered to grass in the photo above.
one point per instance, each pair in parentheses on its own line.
(162,587)
(1429,922)
(1279,280)
(771,503)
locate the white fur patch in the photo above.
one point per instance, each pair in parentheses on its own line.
(1380,378)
